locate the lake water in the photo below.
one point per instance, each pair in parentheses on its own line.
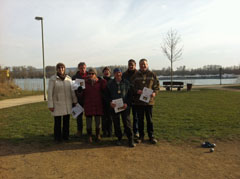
(37,84)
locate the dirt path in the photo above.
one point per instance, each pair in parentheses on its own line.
(20,101)
(81,160)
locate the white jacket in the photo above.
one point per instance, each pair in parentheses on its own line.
(60,95)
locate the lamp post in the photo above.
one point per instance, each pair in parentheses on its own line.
(44,71)
(220,75)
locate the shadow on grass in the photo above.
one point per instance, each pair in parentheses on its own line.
(36,144)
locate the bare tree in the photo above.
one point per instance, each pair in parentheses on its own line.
(170,48)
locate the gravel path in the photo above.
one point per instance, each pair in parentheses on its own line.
(20,101)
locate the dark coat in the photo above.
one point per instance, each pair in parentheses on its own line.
(78,94)
(146,79)
(125,88)
(93,105)
(128,75)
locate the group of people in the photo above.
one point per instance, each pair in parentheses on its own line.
(98,100)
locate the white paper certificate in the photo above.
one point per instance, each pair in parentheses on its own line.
(76,110)
(119,105)
(78,82)
(146,95)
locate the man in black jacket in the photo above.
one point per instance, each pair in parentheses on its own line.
(128,75)
(119,88)
(106,118)
(81,74)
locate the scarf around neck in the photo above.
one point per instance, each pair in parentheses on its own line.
(61,76)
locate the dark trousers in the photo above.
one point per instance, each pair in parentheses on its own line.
(59,132)
(107,123)
(135,120)
(80,122)
(126,123)
(147,111)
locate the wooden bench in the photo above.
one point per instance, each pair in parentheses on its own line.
(175,84)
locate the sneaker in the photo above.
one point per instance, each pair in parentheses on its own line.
(90,139)
(153,141)
(136,135)
(104,134)
(98,138)
(131,144)
(140,140)
(118,143)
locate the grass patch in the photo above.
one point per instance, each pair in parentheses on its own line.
(233,87)
(177,116)
(200,114)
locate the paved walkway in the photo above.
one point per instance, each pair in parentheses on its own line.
(20,101)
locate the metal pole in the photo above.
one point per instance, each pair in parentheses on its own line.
(44,70)
(220,75)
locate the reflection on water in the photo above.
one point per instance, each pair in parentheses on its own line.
(37,84)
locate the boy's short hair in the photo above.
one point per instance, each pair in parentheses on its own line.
(106,68)
(142,60)
(81,64)
(132,61)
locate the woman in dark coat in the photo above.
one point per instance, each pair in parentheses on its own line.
(93,105)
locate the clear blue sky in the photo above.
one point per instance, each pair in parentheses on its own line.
(110,32)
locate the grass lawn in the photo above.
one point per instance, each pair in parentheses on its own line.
(177,116)
(233,87)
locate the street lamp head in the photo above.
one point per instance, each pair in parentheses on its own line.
(38,18)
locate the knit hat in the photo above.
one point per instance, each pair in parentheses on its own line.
(117,70)
(92,70)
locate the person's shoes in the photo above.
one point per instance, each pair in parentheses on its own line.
(66,139)
(98,138)
(90,139)
(104,134)
(140,140)
(118,143)
(109,135)
(136,135)
(131,144)
(58,141)
(78,134)
(153,140)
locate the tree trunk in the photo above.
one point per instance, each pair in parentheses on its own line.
(171,75)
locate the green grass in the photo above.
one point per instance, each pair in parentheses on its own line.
(177,116)
(233,87)
(199,114)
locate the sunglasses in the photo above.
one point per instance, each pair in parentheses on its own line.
(91,73)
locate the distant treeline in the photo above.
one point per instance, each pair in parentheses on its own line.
(32,72)
(205,70)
